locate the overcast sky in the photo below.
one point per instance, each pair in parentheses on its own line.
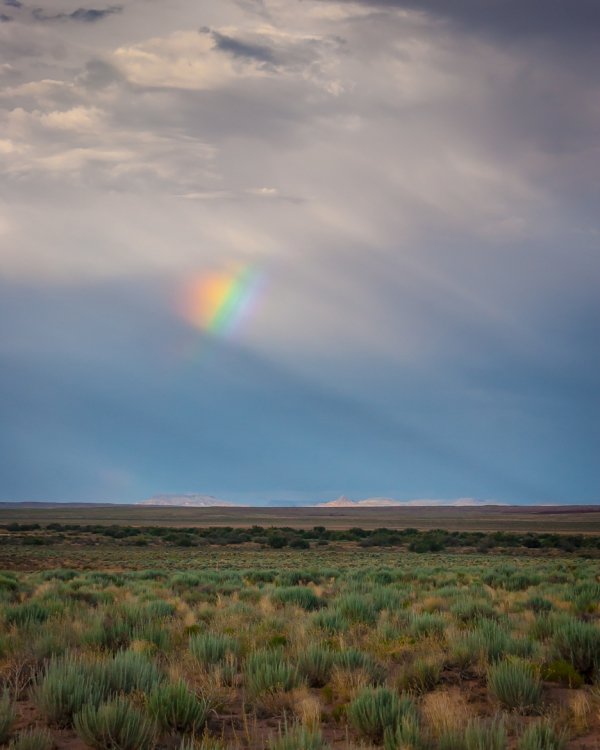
(413,186)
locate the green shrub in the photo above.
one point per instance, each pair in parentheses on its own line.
(298,737)
(111,634)
(66,685)
(511,579)
(299,596)
(389,630)
(90,598)
(277,541)
(538,604)
(127,672)
(269,672)
(562,672)
(516,685)
(46,643)
(481,735)
(356,608)
(579,644)
(212,648)
(331,622)
(315,664)
(586,597)
(352,659)
(543,628)
(33,739)
(8,583)
(421,675)
(451,739)
(159,610)
(7,716)
(490,642)
(116,725)
(176,709)
(406,735)
(426,624)
(388,599)
(299,543)
(185,580)
(376,710)
(542,736)
(468,611)
(30,613)
(154,633)
(478,735)
(259,576)
(297,577)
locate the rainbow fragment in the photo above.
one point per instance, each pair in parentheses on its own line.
(219,301)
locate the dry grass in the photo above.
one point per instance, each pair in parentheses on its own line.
(579,711)
(346,683)
(445,711)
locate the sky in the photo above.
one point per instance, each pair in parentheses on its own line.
(288,249)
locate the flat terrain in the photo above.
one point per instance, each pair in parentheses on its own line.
(270,639)
(560,519)
(253,646)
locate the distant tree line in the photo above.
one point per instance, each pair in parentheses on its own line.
(433,540)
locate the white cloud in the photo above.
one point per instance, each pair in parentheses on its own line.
(182,60)
(7,146)
(213,58)
(78,119)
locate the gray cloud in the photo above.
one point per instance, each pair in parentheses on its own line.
(98,74)
(511,18)
(86,15)
(238,48)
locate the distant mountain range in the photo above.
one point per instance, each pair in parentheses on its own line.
(381,502)
(188,501)
(197,500)
(194,500)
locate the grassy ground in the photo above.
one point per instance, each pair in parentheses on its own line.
(105,645)
(576,519)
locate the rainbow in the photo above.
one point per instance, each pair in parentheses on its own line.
(218,301)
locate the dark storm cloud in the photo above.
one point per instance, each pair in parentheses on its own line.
(98,74)
(89,15)
(511,18)
(4,18)
(13,3)
(93,377)
(85,15)
(239,48)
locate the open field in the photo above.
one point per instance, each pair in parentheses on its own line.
(121,639)
(574,519)
(31,546)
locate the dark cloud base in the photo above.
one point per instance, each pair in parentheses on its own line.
(85,15)
(506,18)
(95,386)
(238,48)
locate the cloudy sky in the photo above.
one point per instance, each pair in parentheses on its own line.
(393,203)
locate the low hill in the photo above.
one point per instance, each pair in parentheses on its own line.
(187,501)
(387,502)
